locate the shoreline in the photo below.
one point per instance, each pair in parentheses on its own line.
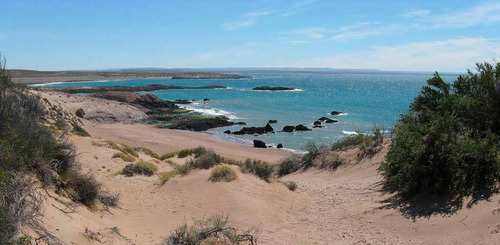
(127,129)
(41,77)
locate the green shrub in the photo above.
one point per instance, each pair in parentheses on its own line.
(168,155)
(205,160)
(291,185)
(129,150)
(142,168)
(448,143)
(369,144)
(85,188)
(262,169)
(148,165)
(113,145)
(148,152)
(289,165)
(182,169)
(222,173)
(79,130)
(184,153)
(198,151)
(125,157)
(165,176)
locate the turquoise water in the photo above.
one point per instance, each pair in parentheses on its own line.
(365,99)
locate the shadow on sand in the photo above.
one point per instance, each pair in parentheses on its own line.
(426,205)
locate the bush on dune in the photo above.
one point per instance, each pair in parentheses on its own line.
(214,230)
(148,152)
(27,149)
(163,177)
(369,144)
(125,157)
(262,169)
(85,188)
(141,168)
(448,143)
(223,173)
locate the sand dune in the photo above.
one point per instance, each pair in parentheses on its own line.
(345,206)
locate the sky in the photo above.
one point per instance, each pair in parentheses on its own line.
(447,36)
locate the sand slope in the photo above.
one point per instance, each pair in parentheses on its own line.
(345,206)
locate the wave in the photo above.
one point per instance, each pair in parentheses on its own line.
(45,84)
(349,132)
(212,112)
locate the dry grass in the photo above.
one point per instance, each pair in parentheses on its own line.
(163,177)
(125,157)
(223,173)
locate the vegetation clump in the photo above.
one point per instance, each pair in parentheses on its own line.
(262,169)
(184,153)
(163,177)
(79,130)
(109,199)
(27,149)
(141,168)
(85,188)
(148,152)
(125,157)
(222,173)
(449,141)
(291,185)
(80,113)
(369,144)
(214,230)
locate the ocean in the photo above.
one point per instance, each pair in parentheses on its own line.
(365,100)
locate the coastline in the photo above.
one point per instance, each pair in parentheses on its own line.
(41,77)
(127,129)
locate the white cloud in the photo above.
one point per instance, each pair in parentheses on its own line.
(416,13)
(258,13)
(231,26)
(369,31)
(250,18)
(446,55)
(308,32)
(479,15)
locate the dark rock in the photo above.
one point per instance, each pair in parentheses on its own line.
(199,124)
(317,123)
(240,123)
(268,88)
(148,101)
(317,126)
(269,146)
(323,119)
(259,144)
(251,130)
(335,113)
(331,121)
(227,132)
(279,146)
(288,129)
(80,113)
(206,99)
(301,127)
(268,128)
(273,121)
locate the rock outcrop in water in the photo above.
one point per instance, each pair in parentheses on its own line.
(259,144)
(335,113)
(268,88)
(148,101)
(301,127)
(273,121)
(288,129)
(255,130)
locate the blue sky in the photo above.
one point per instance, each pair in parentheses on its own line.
(387,35)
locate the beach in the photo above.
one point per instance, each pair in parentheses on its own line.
(345,206)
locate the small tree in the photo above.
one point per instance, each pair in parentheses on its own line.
(449,141)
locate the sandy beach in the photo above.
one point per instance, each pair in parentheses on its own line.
(345,206)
